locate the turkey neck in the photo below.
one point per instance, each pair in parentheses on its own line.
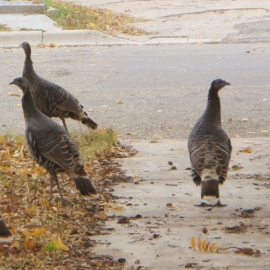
(212,112)
(29,108)
(28,70)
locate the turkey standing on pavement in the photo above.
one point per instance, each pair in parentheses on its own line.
(51,146)
(50,98)
(210,149)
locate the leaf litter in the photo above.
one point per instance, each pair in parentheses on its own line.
(47,234)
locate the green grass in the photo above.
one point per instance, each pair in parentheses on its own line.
(71,17)
(96,144)
(4,28)
(18,137)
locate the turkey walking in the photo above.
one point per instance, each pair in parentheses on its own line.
(50,145)
(50,98)
(5,234)
(210,149)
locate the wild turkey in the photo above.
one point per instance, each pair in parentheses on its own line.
(50,98)
(5,234)
(51,146)
(210,149)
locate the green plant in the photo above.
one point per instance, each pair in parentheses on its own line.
(96,144)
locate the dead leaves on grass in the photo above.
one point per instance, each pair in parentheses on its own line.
(73,16)
(44,230)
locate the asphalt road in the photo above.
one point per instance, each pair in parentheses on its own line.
(163,89)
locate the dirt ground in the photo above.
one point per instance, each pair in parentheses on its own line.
(159,219)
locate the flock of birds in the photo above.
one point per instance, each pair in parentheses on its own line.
(51,146)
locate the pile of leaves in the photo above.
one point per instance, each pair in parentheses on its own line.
(73,17)
(47,234)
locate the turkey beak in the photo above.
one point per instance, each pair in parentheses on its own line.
(13,82)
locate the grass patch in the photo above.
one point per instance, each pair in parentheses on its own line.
(97,144)
(19,137)
(71,17)
(4,28)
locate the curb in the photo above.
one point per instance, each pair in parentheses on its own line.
(60,38)
(23,8)
(86,38)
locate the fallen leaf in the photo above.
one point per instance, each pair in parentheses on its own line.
(193,243)
(13,94)
(59,245)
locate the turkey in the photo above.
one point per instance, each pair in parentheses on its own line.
(5,234)
(210,149)
(50,98)
(50,145)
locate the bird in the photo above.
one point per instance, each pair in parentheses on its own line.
(5,234)
(210,149)
(50,145)
(50,98)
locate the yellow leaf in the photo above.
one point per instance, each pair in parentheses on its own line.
(102,216)
(2,139)
(44,202)
(16,244)
(59,245)
(199,244)
(212,247)
(204,245)
(38,232)
(30,210)
(193,243)
(4,168)
(78,213)
(23,172)
(29,242)
(112,207)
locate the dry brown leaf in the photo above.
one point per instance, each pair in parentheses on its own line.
(112,207)
(237,167)
(30,210)
(193,243)
(204,245)
(246,150)
(199,244)
(78,213)
(29,241)
(212,247)
(38,232)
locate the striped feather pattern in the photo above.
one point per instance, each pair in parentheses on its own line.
(208,144)
(50,145)
(50,98)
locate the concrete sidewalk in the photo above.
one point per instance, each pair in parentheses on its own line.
(165,21)
(162,218)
